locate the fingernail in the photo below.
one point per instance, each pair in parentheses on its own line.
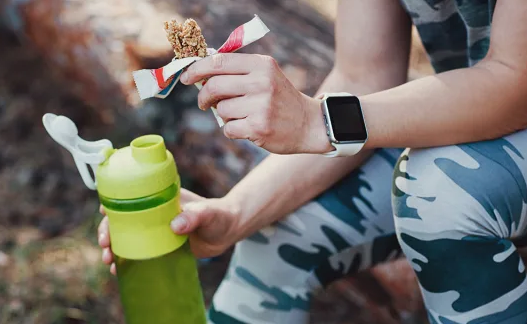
(178,224)
(184,77)
(102,236)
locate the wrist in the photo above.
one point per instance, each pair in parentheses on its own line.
(316,139)
(371,119)
(241,213)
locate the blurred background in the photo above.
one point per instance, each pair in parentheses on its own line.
(75,58)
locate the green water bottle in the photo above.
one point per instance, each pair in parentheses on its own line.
(139,187)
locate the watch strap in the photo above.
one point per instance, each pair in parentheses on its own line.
(347,149)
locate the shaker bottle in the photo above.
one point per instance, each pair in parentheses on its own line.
(139,187)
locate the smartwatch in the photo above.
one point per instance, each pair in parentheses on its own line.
(345,125)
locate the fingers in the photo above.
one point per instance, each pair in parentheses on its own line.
(187,196)
(221,87)
(101,210)
(104,241)
(202,252)
(107,256)
(235,108)
(104,233)
(194,215)
(237,129)
(219,64)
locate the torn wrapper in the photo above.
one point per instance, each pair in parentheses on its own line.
(160,82)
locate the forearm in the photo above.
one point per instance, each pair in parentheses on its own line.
(282,183)
(484,102)
(364,63)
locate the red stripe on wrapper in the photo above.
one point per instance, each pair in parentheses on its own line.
(234,42)
(158,74)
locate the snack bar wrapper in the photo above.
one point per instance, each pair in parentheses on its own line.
(160,82)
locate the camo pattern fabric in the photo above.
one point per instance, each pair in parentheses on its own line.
(455,33)
(456,210)
(274,273)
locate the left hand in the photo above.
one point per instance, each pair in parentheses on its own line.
(258,103)
(213,225)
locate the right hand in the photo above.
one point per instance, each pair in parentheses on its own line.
(212,226)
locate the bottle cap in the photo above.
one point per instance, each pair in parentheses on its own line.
(142,169)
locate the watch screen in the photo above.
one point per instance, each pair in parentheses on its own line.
(346,119)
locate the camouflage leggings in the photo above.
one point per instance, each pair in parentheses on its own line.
(456,209)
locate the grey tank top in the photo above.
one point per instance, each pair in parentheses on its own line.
(455,33)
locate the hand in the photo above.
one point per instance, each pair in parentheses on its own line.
(259,103)
(212,225)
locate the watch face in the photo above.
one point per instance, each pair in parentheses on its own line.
(346,119)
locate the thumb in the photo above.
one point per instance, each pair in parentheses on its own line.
(194,214)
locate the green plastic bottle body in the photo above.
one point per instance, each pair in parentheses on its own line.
(163,290)
(160,290)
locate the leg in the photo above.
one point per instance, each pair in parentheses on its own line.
(456,209)
(273,274)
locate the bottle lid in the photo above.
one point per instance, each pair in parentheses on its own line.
(139,170)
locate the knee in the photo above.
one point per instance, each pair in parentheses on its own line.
(460,190)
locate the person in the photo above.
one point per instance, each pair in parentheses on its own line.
(301,220)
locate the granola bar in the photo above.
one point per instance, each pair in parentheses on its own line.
(186,38)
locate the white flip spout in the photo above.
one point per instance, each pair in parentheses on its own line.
(64,131)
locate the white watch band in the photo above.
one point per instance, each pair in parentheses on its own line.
(348,149)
